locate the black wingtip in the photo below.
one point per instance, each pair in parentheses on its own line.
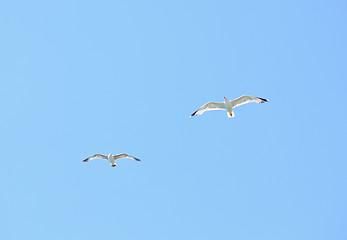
(194,113)
(263,99)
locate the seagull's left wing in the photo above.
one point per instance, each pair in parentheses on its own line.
(247,99)
(123,155)
(95,156)
(208,107)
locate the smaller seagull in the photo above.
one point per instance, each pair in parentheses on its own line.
(112,158)
(228,105)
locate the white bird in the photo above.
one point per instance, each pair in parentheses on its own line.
(112,158)
(228,105)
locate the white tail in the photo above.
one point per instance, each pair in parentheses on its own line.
(231,114)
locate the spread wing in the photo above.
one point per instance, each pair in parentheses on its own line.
(247,99)
(123,155)
(208,107)
(95,156)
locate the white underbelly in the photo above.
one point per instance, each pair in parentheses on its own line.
(111,159)
(228,107)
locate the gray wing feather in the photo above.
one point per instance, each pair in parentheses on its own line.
(123,155)
(246,99)
(208,107)
(95,156)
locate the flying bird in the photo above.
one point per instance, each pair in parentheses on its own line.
(111,158)
(228,105)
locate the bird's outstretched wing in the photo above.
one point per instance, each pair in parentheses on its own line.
(95,156)
(247,99)
(208,107)
(123,155)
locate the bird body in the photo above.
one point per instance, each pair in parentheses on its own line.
(111,158)
(228,105)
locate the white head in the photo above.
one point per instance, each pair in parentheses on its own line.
(227,100)
(109,155)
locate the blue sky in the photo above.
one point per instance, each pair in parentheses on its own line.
(86,77)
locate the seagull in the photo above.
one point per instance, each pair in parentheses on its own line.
(228,105)
(112,158)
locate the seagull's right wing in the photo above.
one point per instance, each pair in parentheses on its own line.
(95,156)
(123,155)
(208,107)
(247,99)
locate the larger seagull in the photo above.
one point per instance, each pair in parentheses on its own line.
(111,158)
(228,105)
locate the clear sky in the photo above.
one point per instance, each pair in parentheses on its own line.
(86,77)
